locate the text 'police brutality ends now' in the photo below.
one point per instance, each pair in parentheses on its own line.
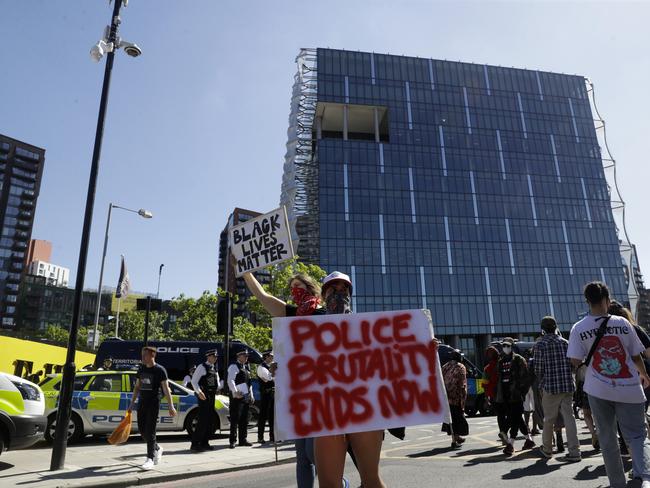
(261,242)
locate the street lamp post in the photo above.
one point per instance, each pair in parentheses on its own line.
(146,214)
(107,45)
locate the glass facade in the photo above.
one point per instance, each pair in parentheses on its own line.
(480,194)
(21,167)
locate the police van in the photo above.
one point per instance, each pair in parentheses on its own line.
(22,405)
(100,400)
(177,357)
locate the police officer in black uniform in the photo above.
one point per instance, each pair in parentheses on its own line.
(205,382)
(266,375)
(241,397)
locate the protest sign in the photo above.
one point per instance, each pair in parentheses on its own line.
(261,241)
(340,374)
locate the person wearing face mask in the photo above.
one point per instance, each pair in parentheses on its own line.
(330,450)
(305,294)
(512,385)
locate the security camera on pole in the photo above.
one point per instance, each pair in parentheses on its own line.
(110,40)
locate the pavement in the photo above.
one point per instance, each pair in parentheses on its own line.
(95,463)
(424,458)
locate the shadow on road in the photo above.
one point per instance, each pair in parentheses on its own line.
(431,452)
(539,468)
(478,452)
(591,472)
(4,466)
(498,458)
(88,473)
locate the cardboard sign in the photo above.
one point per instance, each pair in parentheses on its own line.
(261,242)
(340,374)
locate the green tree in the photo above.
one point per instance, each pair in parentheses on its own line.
(56,333)
(197,319)
(132,325)
(59,335)
(258,337)
(279,285)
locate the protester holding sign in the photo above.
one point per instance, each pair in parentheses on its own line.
(306,296)
(348,377)
(330,450)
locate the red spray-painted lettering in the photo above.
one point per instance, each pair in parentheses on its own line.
(333,407)
(382,349)
(329,337)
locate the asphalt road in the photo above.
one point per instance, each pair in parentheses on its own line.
(426,459)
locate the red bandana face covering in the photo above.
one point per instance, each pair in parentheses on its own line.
(306,303)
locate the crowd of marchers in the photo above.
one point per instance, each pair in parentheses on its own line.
(599,372)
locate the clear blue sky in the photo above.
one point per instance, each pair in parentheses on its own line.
(197,125)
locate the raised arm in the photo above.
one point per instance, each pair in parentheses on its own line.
(274,306)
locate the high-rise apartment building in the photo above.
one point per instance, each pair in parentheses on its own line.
(21,169)
(479,192)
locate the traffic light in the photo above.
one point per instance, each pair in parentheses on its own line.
(222,314)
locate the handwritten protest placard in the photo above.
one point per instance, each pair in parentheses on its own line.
(261,241)
(350,373)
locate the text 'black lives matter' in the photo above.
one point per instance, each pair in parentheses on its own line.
(261,242)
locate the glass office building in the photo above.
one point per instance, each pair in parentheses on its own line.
(476,191)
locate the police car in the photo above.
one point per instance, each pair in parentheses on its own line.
(100,400)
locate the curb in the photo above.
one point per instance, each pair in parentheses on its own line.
(159,478)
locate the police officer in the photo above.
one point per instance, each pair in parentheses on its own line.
(107,364)
(241,396)
(266,374)
(205,382)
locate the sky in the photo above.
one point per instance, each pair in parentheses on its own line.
(197,125)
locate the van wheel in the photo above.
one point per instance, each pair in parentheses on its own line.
(3,444)
(75,428)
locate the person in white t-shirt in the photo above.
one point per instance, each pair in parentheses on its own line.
(614,381)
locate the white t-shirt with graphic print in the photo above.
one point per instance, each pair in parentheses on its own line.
(612,374)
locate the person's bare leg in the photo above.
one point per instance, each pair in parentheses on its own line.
(367,449)
(329,454)
(589,420)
